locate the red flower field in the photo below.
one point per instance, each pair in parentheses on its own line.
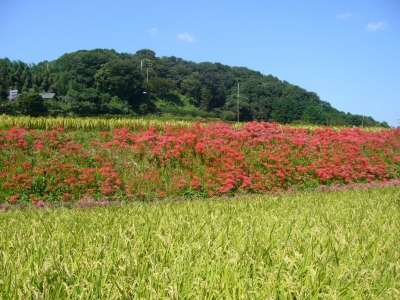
(201,160)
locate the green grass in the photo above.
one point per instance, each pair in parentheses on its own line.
(337,245)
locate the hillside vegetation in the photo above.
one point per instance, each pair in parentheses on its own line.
(103,82)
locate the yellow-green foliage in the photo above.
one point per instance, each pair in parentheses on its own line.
(339,245)
(99,124)
(84,124)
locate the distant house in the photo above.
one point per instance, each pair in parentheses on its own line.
(13,95)
(47,96)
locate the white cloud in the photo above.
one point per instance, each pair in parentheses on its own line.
(376,26)
(153,31)
(185,37)
(345,15)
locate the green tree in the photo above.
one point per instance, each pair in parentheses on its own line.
(120,78)
(355,120)
(85,103)
(261,108)
(313,115)
(285,111)
(227,115)
(31,104)
(145,53)
(161,86)
(55,108)
(117,106)
(191,86)
(9,107)
(231,105)
(205,99)
(3,93)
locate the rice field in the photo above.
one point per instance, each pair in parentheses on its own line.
(326,245)
(85,124)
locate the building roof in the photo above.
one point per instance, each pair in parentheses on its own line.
(47,95)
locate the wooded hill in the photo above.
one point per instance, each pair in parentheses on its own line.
(103,82)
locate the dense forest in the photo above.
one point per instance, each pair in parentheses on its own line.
(103,82)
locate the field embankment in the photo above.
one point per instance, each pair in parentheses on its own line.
(146,160)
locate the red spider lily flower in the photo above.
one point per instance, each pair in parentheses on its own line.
(38,144)
(66,197)
(13,199)
(26,165)
(36,201)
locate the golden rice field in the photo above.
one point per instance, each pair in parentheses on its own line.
(86,124)
(332,245)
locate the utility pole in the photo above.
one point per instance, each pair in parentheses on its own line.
(147,69)
(238,104)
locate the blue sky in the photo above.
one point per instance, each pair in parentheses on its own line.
(347,51)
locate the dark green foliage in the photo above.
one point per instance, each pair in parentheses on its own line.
(117,106)
(262,108)
(9,107)
(120,78)
(145,53)
(231,104)
(191,86)
(314,115)
(161,86)
(285,110)
(104,82)
(86,102)
(31,104)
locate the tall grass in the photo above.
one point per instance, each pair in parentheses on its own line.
(338,245)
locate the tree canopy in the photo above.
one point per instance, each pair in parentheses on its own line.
(102,81)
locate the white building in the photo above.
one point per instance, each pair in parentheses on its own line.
(13,95)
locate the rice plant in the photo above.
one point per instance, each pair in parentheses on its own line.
(86,124)
(336,245)
(103,124)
